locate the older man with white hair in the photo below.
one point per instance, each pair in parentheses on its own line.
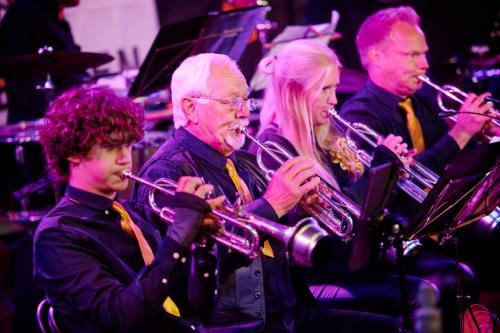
(210,106)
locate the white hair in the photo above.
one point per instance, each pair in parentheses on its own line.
(192,78)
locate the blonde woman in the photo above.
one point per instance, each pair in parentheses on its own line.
(304,78)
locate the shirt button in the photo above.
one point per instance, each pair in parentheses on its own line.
(164,281)
(176,255)
(256,294)
(106,212)
(206,275)
(256,273)
(193,327)
(258,313)
(183,260)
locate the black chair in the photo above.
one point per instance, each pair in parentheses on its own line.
(45,318)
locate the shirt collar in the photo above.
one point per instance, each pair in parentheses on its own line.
(88,199)
(200,148)
(386,97)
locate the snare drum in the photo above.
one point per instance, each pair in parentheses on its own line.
(23,191)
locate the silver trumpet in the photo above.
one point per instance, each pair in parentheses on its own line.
(420,177)
(300,240)
(456,95)
(336,217)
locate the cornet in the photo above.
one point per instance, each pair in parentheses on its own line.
(453,93)
(336,216)
(421,177)
(300,240)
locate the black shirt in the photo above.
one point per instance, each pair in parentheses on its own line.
(94,275)
(184,154)
(378,109)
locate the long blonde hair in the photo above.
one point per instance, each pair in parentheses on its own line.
(297,74)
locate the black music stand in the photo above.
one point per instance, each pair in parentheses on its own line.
(377,190)
(465,191)
(443,210)
(226,32)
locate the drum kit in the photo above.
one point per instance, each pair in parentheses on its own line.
(25,176)
(27,190)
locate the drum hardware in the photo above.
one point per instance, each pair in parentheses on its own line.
(53,62)
(26,192)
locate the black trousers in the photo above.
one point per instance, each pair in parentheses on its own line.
(306,319)
(377,290)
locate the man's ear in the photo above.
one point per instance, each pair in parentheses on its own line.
(374,56)
(74,159)
(189,109)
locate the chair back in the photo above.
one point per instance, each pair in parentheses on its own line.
(45,318)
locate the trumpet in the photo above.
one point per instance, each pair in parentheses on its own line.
(300,241)
(453,93)
(420,177)
(337,217)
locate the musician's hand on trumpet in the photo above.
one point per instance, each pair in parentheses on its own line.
(300,239)
(491,129)
(290,183)
(192,210)
(397,146)
(469,120)
(197,187)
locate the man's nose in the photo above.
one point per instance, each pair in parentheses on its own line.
(125,155)
(243,111)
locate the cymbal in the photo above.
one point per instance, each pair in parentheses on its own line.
(53,62)
(24,131)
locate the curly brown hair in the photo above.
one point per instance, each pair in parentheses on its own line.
(83,117)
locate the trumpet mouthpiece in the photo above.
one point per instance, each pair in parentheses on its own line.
(126,173)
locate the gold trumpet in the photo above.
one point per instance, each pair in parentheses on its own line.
(456,95)
(336,216)
(301,240)
(420,177)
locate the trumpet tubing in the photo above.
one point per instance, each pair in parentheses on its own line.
(248,246)
(453,93)
(336,216)
(421,178)
(300,240)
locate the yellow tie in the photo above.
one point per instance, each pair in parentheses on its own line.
(134,231)
(147,254)
(414,127)
(241,187)
(246,198)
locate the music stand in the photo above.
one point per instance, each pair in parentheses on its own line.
(377,189)
(460,192)
(381,181)
(226,33)
(442,211)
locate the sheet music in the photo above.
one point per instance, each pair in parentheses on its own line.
(324,32)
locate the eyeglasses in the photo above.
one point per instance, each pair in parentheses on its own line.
(235,103)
